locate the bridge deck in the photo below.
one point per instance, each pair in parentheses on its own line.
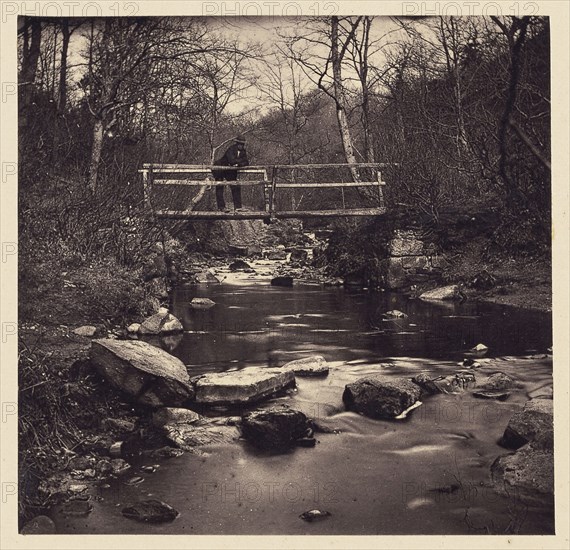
(260,215)
(162,175)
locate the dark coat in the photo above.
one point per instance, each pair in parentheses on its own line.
(235,155)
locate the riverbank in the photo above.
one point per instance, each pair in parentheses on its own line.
(63,404)
(299,319)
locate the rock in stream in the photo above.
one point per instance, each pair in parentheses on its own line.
(150,375)
(380,396)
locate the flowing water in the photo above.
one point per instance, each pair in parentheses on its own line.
(427,474)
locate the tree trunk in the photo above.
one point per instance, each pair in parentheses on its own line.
(63,66)
(97,147)
(339,99)
(62,91)
(30,61)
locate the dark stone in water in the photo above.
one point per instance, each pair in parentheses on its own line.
(527,475)
(380,396)
(284,280)
(499,382)
(275,428)
(150,511)
(315,515)
(498,395)
(239,265)
(534,422)
(394,314)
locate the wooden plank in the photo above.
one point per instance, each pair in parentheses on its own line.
(146,188)
(156,167)
(204,170)
(273,195)
(253,215)
(329,184)
(202,183)
(259,182)
(380,190)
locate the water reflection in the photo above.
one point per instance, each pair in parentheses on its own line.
(264,325)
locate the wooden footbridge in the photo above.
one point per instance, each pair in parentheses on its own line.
(266,177)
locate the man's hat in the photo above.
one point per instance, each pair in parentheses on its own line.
(239,139)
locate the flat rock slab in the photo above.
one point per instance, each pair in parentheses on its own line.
(189,437)
(150,511)
(276,429)
(535,421)
(380,396)
(150,375)
(241,387)
(527,474)
(450,292)
(316,365)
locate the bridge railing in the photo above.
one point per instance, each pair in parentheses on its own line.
(156,174)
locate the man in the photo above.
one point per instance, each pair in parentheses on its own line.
(235,155)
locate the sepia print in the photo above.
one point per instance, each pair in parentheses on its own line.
(285,275)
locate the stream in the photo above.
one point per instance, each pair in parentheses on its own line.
(426,474)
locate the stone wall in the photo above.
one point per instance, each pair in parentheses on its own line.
(410,261)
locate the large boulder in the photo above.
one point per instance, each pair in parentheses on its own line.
(380,396)
(161,323)
(450,292)
(316,365)
(535,421)
(150,375)
(277,428)
(241,387)
(527,474)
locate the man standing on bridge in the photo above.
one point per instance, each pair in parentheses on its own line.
(235,155)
